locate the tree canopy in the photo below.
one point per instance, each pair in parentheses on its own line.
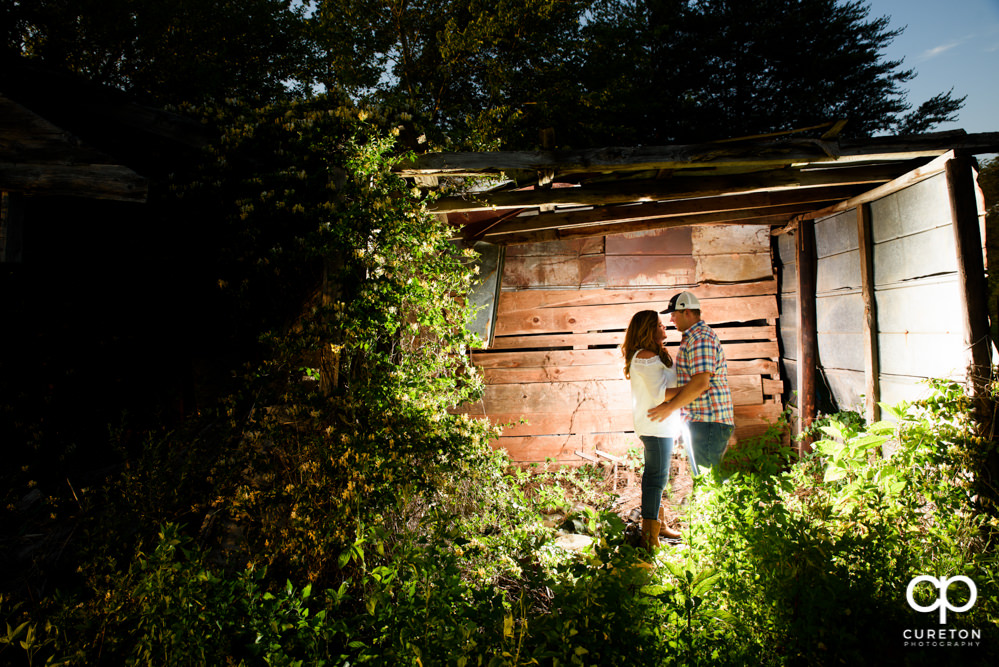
(167,51)
(500,72)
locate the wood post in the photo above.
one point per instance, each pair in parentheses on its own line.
(872,368)
(807,342)
(971,270)
(11,226)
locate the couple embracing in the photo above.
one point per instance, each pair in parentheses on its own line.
(693,392)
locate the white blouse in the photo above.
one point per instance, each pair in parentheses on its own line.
(649,381)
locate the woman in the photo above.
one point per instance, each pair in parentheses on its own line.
(650,368)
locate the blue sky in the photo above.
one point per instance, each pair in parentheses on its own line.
(950,44)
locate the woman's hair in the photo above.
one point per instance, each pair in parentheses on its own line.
(641,335)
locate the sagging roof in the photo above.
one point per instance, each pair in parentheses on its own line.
(63,135)
(557,195)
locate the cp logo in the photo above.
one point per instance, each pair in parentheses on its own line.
(941,602)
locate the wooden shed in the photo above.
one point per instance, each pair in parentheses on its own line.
(95,272)
(836,273)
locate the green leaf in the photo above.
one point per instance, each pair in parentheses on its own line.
(508,626)
(832,431)
(707,580)
(675,569)
(721,615)
(868,442)
(834,473)
(830,448)
(882,427)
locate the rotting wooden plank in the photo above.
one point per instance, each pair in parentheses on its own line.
(680,187)
(604,357)
(533,445)
(610,371)
(757,203)
(768,411)
(716,240)
(669,241)
(603,339)
(590,395)
(577,447)
(650,270)
(735,267)
(753,367)
(573,247)
(518,230)
(511,301)
(725,218)
(562,320)
(554,271)
(12,226)
(744,154)
(773,387)
(526,449)
(912,177)
(552,374)
(98,181)
(563,448)
(587,421)
(549,423)
(551,358)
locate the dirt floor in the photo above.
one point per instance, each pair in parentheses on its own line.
(628,487)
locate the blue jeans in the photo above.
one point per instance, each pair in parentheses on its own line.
(658,454)
(709,440)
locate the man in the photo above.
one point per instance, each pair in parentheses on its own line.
(702,391)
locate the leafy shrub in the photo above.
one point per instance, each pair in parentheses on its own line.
(815,560)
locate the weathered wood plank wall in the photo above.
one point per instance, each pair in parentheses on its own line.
(555,360)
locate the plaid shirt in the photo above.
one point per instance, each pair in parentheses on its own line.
(700,351)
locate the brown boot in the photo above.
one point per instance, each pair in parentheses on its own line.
(650,535)
(664,529)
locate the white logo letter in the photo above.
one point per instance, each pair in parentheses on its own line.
(941,602)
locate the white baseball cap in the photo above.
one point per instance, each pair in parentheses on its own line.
(682,301)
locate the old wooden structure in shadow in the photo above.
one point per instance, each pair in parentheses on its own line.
(837,273)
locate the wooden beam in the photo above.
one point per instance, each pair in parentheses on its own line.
(616,316)
(755,201)
(677,187)
(872,367)
(583,341)
(11,226)
(775,215)
(971,271)
(99,181)
(918,174)
(805,260)
(531,299)
(758,154)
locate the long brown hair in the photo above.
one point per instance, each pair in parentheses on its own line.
(641,335)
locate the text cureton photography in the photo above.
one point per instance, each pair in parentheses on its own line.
(913,637)
(941,636)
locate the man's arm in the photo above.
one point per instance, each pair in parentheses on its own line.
(684,396)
